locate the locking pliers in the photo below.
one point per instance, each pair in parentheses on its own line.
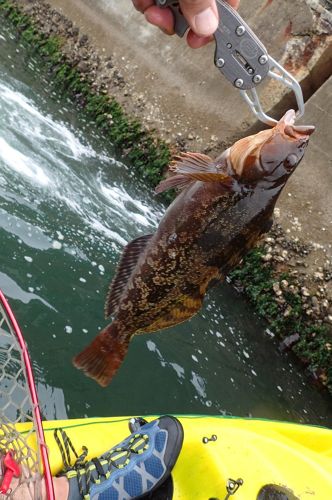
(241,57)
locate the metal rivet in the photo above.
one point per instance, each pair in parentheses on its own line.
(238,83)
(263,59)
(205,439)
(233,485)
(257,79)
(240,30)
(220,62)
(229,45)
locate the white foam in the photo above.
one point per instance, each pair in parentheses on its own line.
(178,369)
(60,235)
(140,219)
(199,383)
(121,199)
(56,245)
(100,227)
(11,289)
(74,205)
(43,127)
(31,235)
(22,164)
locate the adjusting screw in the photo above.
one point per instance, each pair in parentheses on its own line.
(240,30)
(263,59)
(220,62)
(238,83)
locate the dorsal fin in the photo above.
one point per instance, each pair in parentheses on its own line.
(194,161)
(128,261)
(190,167)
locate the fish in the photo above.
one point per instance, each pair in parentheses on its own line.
(222,209)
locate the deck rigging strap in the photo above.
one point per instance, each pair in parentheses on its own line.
(19,404)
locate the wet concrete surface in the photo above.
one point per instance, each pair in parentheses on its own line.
(306,203)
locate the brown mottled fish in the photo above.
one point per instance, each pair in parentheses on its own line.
(223,208)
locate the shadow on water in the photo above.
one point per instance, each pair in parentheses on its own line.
(67,209)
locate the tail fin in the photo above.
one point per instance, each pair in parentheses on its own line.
(103,357)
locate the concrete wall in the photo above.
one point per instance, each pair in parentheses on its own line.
(185,83)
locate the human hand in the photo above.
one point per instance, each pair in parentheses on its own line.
(202,16)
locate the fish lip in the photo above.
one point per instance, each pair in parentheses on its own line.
(288,118)
(287,122)
(304,129)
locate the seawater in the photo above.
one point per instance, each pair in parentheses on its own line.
(67,209)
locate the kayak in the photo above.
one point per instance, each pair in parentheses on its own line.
(221,457)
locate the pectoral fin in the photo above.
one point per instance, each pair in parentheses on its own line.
(191,167)
(186,307)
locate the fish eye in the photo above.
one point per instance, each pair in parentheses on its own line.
(290,161)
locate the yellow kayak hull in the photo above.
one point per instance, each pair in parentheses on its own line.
(259,452)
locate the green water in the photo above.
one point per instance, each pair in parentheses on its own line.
(67,208)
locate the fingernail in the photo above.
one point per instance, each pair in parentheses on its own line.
(206,22)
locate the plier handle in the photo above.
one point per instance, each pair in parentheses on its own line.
(241,57)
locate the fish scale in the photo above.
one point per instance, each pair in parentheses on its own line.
(221,211)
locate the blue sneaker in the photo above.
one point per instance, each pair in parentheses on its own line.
(132,469)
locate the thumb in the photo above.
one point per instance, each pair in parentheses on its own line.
(202,15)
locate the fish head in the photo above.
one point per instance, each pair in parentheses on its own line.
(272,155)
(282,153)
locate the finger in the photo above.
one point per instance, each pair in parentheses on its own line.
(196,42)
(163,18)
(142,5)
(234,3)
(202,15)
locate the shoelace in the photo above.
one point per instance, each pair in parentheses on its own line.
(79,463)
(117,457)
(65,451)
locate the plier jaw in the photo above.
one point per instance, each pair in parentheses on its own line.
(276,72)
(241,57)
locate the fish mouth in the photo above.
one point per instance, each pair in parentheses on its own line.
(287,124)
(304,129)
(288,118)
